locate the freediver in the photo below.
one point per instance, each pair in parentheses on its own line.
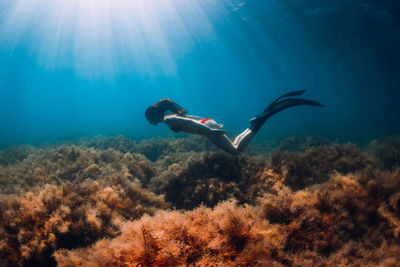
(178,121)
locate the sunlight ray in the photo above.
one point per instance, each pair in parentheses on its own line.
(104,38)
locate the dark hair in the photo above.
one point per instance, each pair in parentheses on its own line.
(157,111)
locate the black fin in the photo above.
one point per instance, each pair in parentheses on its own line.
(294,93)
(286,103)
(275,107)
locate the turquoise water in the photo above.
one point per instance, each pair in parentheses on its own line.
(81,68)
(94,189)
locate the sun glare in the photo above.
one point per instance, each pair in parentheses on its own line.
(105,37)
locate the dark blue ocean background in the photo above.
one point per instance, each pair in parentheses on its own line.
(86,67)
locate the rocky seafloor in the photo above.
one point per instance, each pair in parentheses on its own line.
(113,201)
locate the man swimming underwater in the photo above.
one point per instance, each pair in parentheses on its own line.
(177,120)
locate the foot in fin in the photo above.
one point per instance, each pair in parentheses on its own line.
(276,106)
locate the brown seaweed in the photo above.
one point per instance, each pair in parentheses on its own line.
(349,220)
(386,151)
(102,201)
(316,164)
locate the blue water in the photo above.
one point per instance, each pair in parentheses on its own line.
(71,68)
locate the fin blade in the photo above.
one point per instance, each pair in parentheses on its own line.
(293,93)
